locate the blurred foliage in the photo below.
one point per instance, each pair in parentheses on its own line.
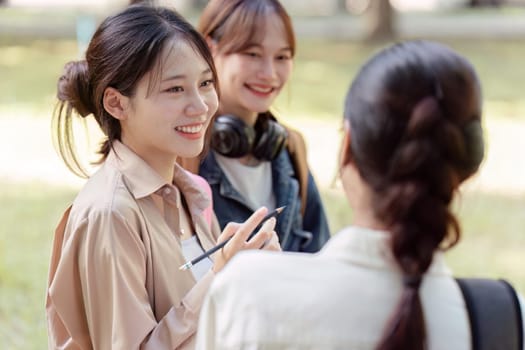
(30,71)
(324,69)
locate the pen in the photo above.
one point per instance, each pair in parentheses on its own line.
(206,254)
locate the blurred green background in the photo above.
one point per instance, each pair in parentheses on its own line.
(35,188)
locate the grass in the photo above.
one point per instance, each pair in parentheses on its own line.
(29,214)
(493,225)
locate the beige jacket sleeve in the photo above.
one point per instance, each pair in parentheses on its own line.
(103,262)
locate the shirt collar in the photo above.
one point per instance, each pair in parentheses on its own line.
(371,248)
(142,180)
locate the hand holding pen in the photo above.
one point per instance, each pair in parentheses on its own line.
(255,233)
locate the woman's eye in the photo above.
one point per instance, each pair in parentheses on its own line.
(252,54)
(175,89)
(208,82)
(283,57)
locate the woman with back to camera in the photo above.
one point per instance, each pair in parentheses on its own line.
(412,136)
(114,281)
(255,160)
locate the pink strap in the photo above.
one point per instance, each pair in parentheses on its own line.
(199,180)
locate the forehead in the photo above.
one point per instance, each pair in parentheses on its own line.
(181,57)
(178,58)
(271,32)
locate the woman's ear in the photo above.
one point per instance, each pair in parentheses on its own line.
(115,103)
(345,152)
(212,44)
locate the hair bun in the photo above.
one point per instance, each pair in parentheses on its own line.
(73,87)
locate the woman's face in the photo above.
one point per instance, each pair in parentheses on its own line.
(172,107)
(250,80)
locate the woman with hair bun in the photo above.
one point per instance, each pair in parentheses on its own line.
(114,282)
(412,136)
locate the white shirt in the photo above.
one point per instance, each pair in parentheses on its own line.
(253,182)
(191,248)
(340,298)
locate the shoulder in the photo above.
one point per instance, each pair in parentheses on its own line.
(248,271)
(105,200)
(295,140)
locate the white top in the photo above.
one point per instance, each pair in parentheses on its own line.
(339,298)
(191,248)
(253,182)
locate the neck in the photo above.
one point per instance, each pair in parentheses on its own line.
(164,168)
(359,196)
(364,217)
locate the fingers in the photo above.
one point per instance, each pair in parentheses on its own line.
(273,243)
(265,237)
(230,229)
(246,228)
(262,236)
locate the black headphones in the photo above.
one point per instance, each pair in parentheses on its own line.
(233,138)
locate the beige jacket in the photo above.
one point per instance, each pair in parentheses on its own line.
(114,278)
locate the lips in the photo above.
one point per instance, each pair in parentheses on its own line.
(190,129)
(260,89)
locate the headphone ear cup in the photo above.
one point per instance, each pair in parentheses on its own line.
(270,139)
(231,137)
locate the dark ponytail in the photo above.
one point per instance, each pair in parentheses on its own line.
(74,96)
(413,111)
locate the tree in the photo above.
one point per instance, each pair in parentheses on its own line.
(380,21)
(478,3)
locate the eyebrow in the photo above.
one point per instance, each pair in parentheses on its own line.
(182,76)
(257,45)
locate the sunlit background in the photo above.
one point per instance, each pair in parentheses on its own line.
(37,37)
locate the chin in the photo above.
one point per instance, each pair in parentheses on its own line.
(190,152)
(259,107)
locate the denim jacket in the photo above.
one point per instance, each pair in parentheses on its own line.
(296,233)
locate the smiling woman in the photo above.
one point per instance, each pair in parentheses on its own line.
(168,116)
(149,81)
(256,160)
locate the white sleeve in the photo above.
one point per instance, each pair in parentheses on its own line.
(206,331)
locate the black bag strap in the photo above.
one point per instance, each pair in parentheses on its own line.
(494,314)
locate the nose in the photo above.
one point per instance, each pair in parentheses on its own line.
(197,105)
(267,69)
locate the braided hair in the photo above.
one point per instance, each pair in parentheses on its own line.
(414,111)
